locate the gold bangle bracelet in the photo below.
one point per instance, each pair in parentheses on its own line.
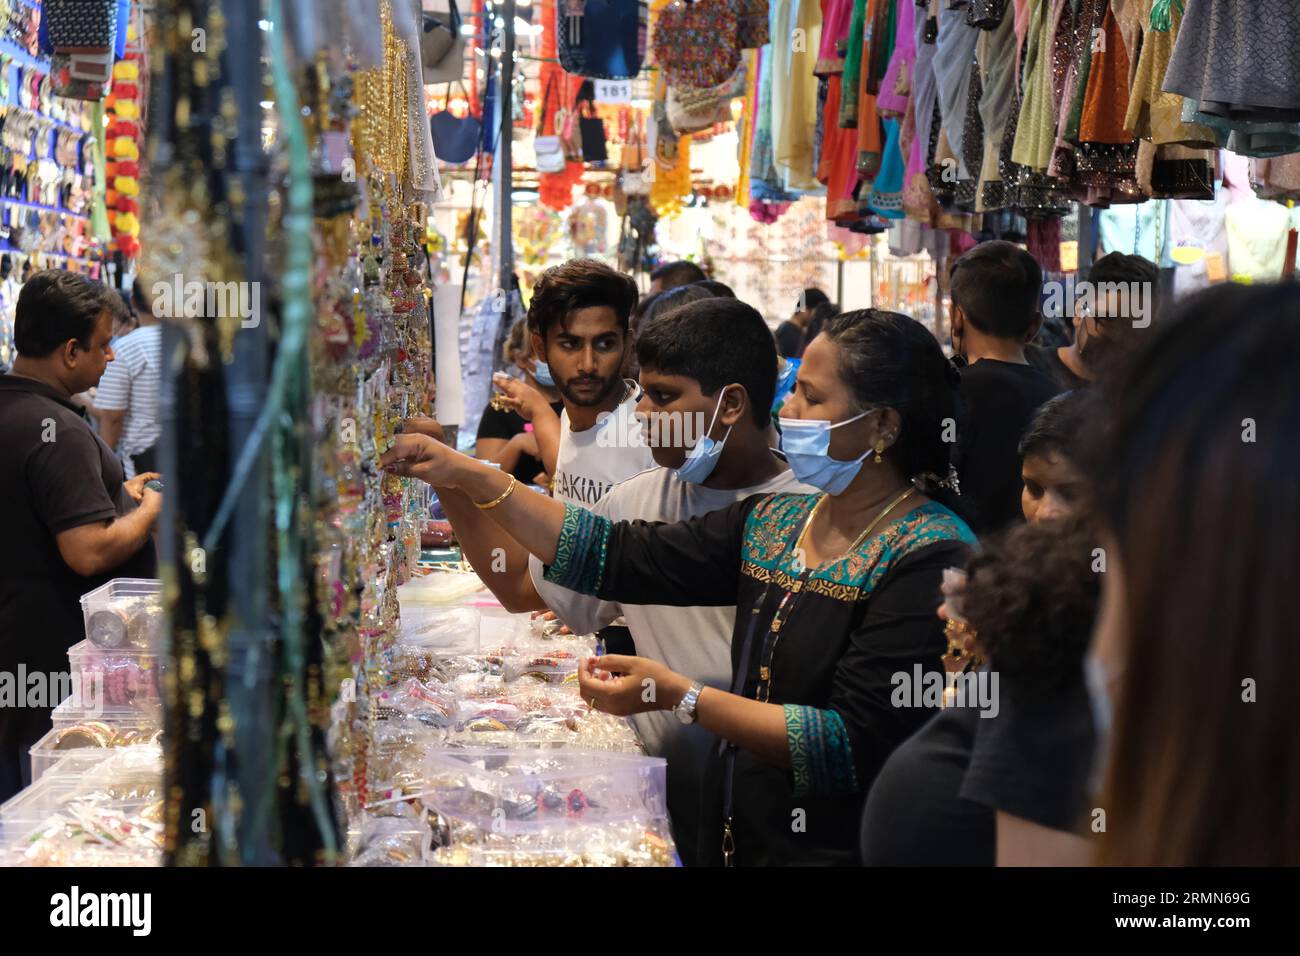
(504,495)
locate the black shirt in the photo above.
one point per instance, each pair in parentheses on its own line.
(1048,361)
(936,799)
(55,474)
(915,814)
(999,400)
(506,424)
(789,339)
(1034,759)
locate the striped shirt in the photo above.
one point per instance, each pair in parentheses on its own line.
(130,384)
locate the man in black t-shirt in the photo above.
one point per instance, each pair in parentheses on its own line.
(995,294)
(72,523)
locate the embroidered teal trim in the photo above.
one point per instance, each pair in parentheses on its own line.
(776,521)
(581,551)
(821,756)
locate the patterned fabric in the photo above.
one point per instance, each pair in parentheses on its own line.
(1152,113)
(821,756)
(580,553)
(986,14)
(85,25)
(1244,55)
(698,44)
(776,522)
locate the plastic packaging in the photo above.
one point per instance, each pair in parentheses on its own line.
(439,587)
(443,630)
(519,791)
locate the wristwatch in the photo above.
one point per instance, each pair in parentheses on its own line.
(685,709)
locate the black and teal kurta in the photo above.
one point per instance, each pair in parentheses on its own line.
(847,629)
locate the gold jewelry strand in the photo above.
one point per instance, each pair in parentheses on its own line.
(798,545)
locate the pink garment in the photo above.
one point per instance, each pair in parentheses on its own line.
(853,242)
(896,87)
(835,29)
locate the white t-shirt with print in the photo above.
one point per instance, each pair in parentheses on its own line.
(592,461)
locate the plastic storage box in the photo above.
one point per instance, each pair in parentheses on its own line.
(125,612)
(76,819)
(69,749)
(70,712)
(126,678)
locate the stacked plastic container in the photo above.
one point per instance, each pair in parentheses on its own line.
(97,773)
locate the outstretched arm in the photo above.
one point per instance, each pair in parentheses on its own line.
(695,562)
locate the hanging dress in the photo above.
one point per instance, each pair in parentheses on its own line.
(1153,113)
(1239,60)
(1238,66)
(896,87)
(796,34)
(1106,160)
(996,54)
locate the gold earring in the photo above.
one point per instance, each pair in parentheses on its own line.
(880,446)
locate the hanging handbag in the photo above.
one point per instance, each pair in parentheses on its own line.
(455,138)
(697,45)
(691,110)
(81,26)
(549,149)
(591,128)
(442,47)
(605,39)
(637,173)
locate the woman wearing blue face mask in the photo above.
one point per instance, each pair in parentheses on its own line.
(835,592)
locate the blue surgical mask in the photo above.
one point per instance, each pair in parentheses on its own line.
(543,375)
(701,460)
(806,446)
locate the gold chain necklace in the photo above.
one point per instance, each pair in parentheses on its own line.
(798,545)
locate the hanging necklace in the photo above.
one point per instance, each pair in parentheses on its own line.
(763,691)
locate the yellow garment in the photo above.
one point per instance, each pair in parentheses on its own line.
(794,90)
(1152,113)
(1036,130)
(745,127)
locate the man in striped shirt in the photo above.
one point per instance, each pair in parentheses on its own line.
(127,398)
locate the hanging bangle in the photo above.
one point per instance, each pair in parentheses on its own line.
(503,496)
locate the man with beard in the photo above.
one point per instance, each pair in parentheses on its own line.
(1097,341)
(578,320)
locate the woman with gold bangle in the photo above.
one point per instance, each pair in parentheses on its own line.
(835,593)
